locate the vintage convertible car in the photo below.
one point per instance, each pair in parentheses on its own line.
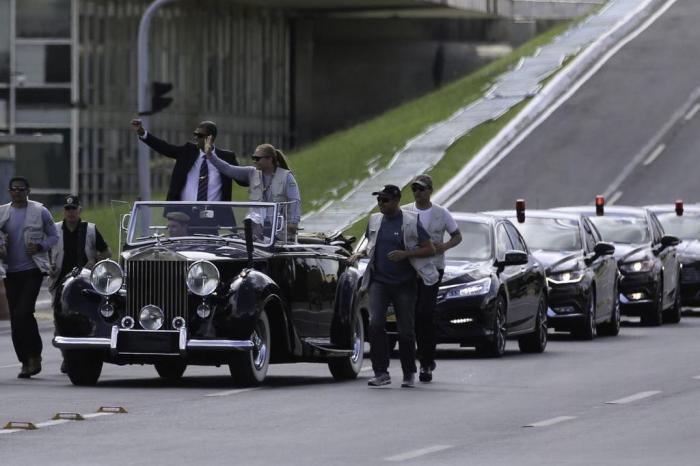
(202,284)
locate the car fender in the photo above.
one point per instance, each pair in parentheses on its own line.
(346,300)
(77,311)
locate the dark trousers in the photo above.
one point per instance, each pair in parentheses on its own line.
(425,321)
(22,291)
(403,297)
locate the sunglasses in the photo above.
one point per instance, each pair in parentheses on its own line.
(257,158)
(200,135)
(417,187)
(17,189)
(70,207)
(383,200)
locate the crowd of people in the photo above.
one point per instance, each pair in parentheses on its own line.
(405,246)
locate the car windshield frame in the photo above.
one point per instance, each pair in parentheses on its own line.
(449,254)
(635,219)
(574,225)
(276,225)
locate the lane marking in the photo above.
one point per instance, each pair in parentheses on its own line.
(232,392)
(692,112)
(55,422)
(697,377)
(52,423)
(416,453)
(551,422)
(632,398)
(9,366)
(615,197)
(654,155)
(91,415)
(9,431)
(475,178)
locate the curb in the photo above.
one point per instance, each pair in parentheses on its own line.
(554,90)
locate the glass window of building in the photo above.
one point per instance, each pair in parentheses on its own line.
(44,18)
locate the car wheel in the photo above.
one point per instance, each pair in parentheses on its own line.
(536,342)
(348,367)
(497,346)
(673,314)
(249,368)
(612,327)
(653,315)
(171,370)
(83,367)
(588,329)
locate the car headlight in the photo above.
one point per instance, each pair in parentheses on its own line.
(637,266)
(570,276)
(107,277)
(202,278)
(475,288)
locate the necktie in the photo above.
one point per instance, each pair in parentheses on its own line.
(203,181)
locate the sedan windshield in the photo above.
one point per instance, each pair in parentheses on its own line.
(476,242)
(686,227)
(550,233)
(162,221)
(624,230)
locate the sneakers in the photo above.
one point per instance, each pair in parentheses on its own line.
(379,380)
(409,380)
(426,372)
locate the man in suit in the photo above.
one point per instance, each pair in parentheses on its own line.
(194,178)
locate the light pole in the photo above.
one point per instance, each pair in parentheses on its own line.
(144,106)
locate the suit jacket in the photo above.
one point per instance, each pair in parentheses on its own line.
(185,156)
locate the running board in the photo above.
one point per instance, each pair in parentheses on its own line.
(326,346)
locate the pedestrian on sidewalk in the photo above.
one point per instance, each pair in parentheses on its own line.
(79,245)
(398,248)
(30,233)
(437,221)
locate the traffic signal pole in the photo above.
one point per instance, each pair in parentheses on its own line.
(143,96)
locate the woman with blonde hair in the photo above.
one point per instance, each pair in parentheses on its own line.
(270,180)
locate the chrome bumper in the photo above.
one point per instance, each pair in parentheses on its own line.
(185,345)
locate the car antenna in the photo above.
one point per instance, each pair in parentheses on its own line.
(248,229)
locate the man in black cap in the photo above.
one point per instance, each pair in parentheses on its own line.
(80,245)
(398,248)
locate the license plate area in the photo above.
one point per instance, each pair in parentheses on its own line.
(148,342)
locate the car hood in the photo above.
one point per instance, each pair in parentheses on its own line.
(556,259)
(465,271)
(191,250)
(689,249)
(627,252)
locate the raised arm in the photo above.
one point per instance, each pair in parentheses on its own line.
(158,145)
(239,174)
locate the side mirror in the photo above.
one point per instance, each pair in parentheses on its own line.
(668,240)
(515,258)
(126,218)
(604,249)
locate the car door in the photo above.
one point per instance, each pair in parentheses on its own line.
(306,295)
(331,268)
(530,281)
(604,270)
(669,261)
(512,279)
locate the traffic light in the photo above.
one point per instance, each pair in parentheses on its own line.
(158,99)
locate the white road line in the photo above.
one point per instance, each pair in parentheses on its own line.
(91,415)
(654,155)
(10,366)
(232,392)
(9,431)
(475,178)
(632,398)
(692,112)
(697,377)
(416,453)
(615,197)
(52,423)
(551,422)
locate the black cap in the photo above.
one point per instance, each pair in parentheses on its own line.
(389,190)
(72,200)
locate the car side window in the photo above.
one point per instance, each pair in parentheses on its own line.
(503,242)
(516,239)
(655,228)
(590,238)
(659,226)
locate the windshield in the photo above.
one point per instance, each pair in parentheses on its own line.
(624,230)
(550,233)
(476,242)
(163,221)
(685,227)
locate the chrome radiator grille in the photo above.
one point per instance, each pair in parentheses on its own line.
(161,283)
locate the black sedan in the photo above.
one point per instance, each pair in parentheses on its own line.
(493,288)
(581,270)
(194,287)
(683,221)
(646,257)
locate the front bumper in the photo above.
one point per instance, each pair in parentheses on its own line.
(690,284)
(465,320)
(567,305)
(149,343)
(637,292)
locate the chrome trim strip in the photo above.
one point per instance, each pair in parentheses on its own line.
(183,340)
(113,340)
(220,344)
(81,342)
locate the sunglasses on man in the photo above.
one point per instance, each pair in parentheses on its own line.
(200,135)
(257,158)
(383,200)
(18,189)
(418,188)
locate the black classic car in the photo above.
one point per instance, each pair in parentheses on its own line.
(492,289)
(646,257)
(683,221)
(201,284)
(581,270)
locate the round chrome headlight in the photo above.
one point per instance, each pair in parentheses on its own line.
(202,278)
(151,317)
(107,277)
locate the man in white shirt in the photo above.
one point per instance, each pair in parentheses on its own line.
(437,221)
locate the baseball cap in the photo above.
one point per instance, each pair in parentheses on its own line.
(72,200)
(423,180)
(178,217)
(389,190)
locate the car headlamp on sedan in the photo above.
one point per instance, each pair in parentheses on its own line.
(107,277)
(644,265)
(202,278)
(475,288)
(561,278)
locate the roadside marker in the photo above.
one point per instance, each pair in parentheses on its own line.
(20,425)
(112,410)
(68,416)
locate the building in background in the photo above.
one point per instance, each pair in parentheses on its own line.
(280,71)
